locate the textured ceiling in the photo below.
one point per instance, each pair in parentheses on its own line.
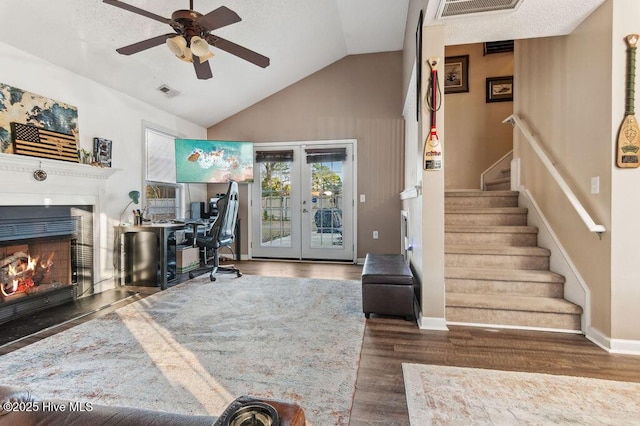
(531,19)
(299,36)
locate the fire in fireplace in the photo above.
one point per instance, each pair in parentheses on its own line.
(46,259)
(30,268)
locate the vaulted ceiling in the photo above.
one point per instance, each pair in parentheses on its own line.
(299,36)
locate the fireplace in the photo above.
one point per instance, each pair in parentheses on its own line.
(46,257)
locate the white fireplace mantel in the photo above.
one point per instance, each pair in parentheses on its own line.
(66,183)
(25,164)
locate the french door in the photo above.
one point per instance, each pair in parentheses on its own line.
(303,201)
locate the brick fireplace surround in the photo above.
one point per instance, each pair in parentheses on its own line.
(70,189)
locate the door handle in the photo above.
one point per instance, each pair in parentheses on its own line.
(305,211)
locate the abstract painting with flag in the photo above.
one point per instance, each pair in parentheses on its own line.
(20,106)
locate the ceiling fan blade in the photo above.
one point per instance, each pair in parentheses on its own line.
(203,70)
(239,51)
(221,17)
(137,10)
(144,44)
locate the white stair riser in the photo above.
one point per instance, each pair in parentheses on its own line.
(496,261)
(510,288)
(488,238)
(518,219)
(514,318)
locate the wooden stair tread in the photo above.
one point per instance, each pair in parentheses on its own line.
(513,303)
(494,229)
(499,250)
(529,275)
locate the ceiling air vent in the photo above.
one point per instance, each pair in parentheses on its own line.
(168,91)
(457,8)
(498,47)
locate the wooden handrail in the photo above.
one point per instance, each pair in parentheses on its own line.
(514,120)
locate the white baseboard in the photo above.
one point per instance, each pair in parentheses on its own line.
(627,347)
(598,338)
(432,323)
(614,346)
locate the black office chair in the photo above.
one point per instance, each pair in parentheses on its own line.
(221,234)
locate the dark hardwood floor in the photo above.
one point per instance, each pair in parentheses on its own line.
(379,398)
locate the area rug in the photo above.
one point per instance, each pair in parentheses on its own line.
(439,395)
(197,346)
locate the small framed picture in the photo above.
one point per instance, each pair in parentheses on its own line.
(102,152)
(456,74)
(500,89)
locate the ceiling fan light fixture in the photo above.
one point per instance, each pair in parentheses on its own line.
(186,56)
(204,58)
(178,45)
(199,46)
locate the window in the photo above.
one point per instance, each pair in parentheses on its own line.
(162,193)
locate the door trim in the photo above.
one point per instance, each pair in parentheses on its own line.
(354,153)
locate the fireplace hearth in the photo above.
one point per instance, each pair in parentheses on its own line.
(46,257)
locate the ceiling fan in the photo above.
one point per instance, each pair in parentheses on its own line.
(192,37)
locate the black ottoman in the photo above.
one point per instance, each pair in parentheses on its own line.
(387,286)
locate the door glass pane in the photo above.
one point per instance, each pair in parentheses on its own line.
(275,224)
(326,204)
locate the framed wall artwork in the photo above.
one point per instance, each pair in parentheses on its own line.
(30,109)
(500,89)
(102,152)
(456,74)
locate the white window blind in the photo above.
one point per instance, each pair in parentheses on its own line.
(161,156)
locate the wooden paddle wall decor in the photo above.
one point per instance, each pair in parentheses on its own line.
(629,136)
(432,152)
(37,142)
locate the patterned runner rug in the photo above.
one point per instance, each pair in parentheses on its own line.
(197,346)
(439,395)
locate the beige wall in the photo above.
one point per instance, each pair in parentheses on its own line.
(625,193)
(358,97)
(433,286)
(426,212)
(476,137)
(563,93)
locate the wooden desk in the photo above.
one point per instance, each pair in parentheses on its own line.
(142,254)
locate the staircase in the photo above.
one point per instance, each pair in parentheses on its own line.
(494,271)
(501,182)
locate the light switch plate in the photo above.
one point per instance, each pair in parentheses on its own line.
(595,185)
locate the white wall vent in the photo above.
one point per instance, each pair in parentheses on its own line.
(457,8)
